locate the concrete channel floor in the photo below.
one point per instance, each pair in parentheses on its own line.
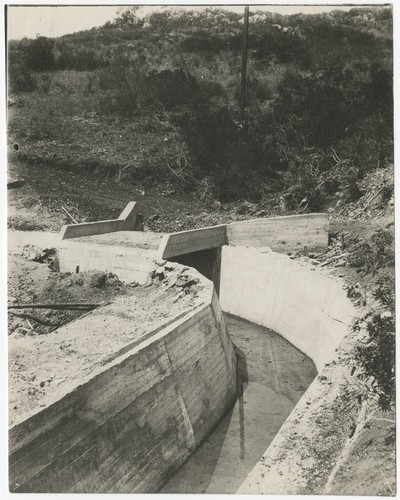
(273,375)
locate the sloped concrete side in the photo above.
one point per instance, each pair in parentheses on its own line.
(308,309)
(312,311)
(131,426)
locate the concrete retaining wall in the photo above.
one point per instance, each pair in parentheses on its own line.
(191,241)
(127,221)
(129,264)
(288,233)
(293,232)
(308,309)
(131,426)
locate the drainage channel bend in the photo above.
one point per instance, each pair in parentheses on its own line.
(273,375)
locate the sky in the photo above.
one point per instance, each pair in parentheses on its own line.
(54,21)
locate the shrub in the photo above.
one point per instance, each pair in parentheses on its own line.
(230,149)
(169,88)
(40,54)
(377,356)
(374,254)
(377,353)
(20,78)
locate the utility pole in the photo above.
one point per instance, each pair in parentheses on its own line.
(244,58)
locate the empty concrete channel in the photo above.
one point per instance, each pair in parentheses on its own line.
(192,405)
(272,377)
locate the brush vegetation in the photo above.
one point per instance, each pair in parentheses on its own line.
(157,96)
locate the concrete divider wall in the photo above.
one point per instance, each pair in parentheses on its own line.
(130,264)
(310,310)
(194,240)
(293,232)
(127,221)
(130,427)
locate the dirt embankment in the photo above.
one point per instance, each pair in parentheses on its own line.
(344,441)
(46,361)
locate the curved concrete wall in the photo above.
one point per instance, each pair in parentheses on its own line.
(129,427)
(308,309)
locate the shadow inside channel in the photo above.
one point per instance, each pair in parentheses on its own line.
(272,377)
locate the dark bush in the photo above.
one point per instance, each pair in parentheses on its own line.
(374,254)
(230,149)
(20,78)
(40,54)
(377,357)
(170,88)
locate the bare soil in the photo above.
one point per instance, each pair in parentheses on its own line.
(45,364)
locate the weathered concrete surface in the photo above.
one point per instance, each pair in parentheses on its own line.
(131,425)
(288,233)
(126,239)
(130,264)
(312,311)
(125,222)
(272,375)
(307,308)
(310,443)
(191,241)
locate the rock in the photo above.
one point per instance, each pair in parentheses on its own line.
(17,183)
(34,256)
(340,263)
(159,272)
(19,333)
(178,296)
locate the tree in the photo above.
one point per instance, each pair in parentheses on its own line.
(40,54)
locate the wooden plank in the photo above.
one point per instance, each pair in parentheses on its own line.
(293,232)
(193,240)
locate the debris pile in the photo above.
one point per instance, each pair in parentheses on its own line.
(181,279)
(377,200)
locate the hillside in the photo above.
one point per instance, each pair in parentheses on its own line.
(159,96)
